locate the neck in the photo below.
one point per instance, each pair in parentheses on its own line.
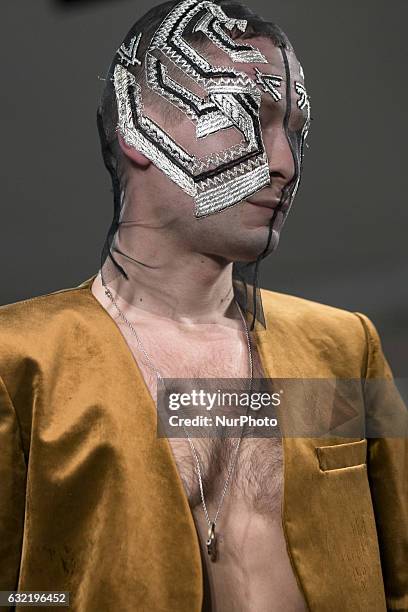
(167,281)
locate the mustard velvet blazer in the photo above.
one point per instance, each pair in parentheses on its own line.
(91,501)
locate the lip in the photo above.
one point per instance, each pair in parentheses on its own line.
(271,203)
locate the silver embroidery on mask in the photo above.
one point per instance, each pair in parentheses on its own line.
(230,114)
(211,123)
(232,187)
(128,54)
(269,83)
(184,99)
(240,118)
(303,100)
(141,136)
(231,101)
(210,25)
(216,159)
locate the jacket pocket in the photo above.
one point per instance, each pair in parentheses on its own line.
(350,454)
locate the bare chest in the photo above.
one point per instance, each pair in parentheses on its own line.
(258,473)
(257,477)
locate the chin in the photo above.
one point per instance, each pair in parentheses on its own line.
(249,250)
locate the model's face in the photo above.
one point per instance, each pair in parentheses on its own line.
(243,231)
(270,206)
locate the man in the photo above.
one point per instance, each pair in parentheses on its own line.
(202,122)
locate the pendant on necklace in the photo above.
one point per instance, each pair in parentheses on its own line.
(212,542)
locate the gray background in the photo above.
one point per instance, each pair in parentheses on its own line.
(344,242)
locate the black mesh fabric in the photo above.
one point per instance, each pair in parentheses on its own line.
(114,263)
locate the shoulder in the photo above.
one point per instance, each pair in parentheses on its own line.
(295,310)
(336,333)
(27,325)
(39,308)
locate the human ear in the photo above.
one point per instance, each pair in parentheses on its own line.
(133,154)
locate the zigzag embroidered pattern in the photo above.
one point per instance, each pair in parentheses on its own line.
(182,98)
(225,177)
(134,136)
(231,192)
(128,54)
(237,170)
(216,159)
(210,26)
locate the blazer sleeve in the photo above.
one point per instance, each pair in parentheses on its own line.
(12,492)
(387,466)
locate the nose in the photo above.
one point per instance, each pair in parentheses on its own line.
(280,156)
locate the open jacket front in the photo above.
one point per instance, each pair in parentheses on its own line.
(91,501)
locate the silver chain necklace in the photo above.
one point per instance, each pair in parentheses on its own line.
(211,541)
